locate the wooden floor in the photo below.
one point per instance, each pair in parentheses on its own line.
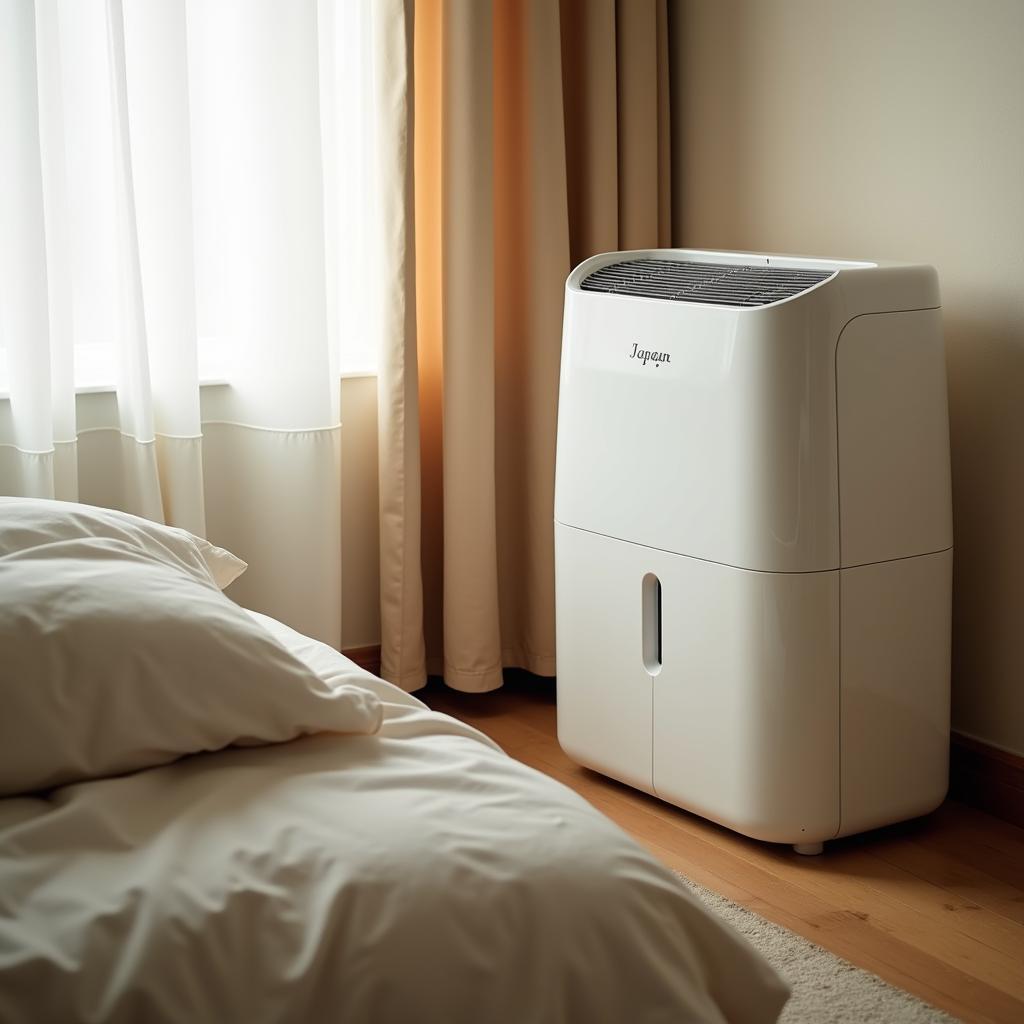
(935,906)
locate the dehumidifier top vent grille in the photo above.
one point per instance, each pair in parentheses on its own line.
(722,284)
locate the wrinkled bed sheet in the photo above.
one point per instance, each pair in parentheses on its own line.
(416,875)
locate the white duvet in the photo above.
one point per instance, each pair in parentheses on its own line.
(414,875)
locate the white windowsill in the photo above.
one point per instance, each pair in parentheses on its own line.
(213,382)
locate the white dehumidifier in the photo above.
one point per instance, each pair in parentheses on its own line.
(753,537)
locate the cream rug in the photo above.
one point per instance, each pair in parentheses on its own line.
(826,989)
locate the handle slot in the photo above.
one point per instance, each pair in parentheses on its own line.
(650,598)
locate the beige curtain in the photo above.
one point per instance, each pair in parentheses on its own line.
(541,137)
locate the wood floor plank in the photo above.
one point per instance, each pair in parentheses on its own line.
(935,906)
(850,937)
(972,836)
(975,942)
(968,881)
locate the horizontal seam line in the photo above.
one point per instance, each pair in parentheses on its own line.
(169,437)
(272,430)
(744,568)
(472,671)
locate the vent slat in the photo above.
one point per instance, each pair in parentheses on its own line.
(725,284)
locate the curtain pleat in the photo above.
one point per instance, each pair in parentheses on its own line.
(402,647)
(159,398)
(589,81)
(638,88)
(472,638)
(131,344)
(541,137)
(427,167)
(24,312)
(58,270)
(664,126)
(531,250)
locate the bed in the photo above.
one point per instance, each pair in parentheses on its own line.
(171,852)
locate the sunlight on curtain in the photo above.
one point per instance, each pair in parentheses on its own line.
(188,194)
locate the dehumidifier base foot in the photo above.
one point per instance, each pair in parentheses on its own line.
(809,849)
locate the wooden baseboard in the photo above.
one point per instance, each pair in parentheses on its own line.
(979,775)
(987,777)
(365,657)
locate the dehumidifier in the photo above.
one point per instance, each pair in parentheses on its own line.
(753,537)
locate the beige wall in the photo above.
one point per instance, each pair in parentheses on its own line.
(889,129)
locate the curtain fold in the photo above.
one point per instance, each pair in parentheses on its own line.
(531,246)
(541,137)
(24,312)
(471,642)
(184,196)
(402,647)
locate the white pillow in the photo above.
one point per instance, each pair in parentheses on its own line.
(114,661)
(32,522)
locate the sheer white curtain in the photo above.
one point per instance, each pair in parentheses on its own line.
(188,192)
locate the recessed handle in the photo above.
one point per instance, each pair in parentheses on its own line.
(650,601)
